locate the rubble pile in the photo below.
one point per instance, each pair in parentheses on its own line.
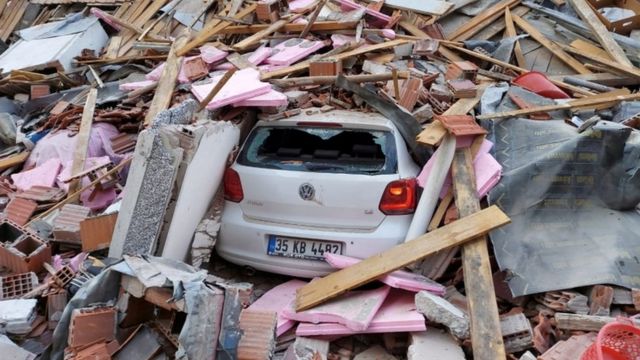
(120,121)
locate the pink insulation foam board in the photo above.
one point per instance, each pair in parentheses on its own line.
(397,314)
(272,98)
(292,50)
(278,299)
(374,17)
(487,169)
(355,309)
(244,84)
(298,6)
(255,58)
(136,85)
(210,54)
(398,279)
(338,40)
(43,175)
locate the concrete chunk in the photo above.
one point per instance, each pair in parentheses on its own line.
(441,311)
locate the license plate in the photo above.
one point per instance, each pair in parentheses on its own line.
(302,248)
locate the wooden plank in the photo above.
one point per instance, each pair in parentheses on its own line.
(589,47)
(432,7)
(600,31)
(510,31)
(255,38)
(481,26)
(82,139)
(15,19)
(13,160)
(114,46)
(498,26)
(586,102)
(476,21)
(441,210)
(128,35)
(166,84)
(305,64)
(553,47)
(206,33)
(486,334)
(631,71)
(312,19)
(367,270)
(574,89)
(290,28)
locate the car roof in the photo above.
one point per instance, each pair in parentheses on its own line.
(350,119)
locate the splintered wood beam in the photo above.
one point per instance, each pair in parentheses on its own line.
(631,71)
(369,269)
(479,21)
(82,139)
(205,34)
(506,65)
(318,26)
(510,31)
(305,64)
(312,19)
(166,84)
(589,101)
(600,31)
(551,46)
(486,334)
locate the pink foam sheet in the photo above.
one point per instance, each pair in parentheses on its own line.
(244,84)
(272,99)
(278,299)
(300,6)
(397,314)
(211,54)
(43,175)
(488,170)
(355,310)
(103,16)
(338,40)
(292,50)
(136,85)
(398,279)
(255,58)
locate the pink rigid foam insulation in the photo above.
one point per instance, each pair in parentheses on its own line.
(272,98)
(211,54)
(300,5)
(43,175)
(338,40)
(397,314)
(136,85)
(355,309)
(278,299)
(243,85)
(398,279)
(292,50)
(255,58)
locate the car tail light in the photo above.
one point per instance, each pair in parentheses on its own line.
(232,186)
(399,197)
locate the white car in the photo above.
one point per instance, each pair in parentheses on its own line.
(341,182)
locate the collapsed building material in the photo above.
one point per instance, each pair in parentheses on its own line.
(17,316)
(434,345)
(96,232)
(66,226)
(14,286)
(26,253)
(439,310)
(90,325)
(258,335)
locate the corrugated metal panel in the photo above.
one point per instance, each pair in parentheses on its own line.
(20,210)
(258,339)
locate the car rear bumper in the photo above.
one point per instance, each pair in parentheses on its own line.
(244,242)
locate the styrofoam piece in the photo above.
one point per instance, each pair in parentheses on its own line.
(255,58)
(199,185)
(272,98)
(43,175)
(355,310)
(211,54)
(338,40)
(17,315)
(297,6)
(278,299)
(399,279)
(397,314)
(136,85)
(244,84)
(292,50)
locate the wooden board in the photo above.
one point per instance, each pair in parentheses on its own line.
(473,24)
(486,335)
(82,139)
(551,46)
(631,71)
(589,47)
(431,7)
(290,28)
(369,269)
(510,31)
(600,31)
(164,91)
(13,160)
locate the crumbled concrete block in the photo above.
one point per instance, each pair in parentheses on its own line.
(423,113)
(441,311)
(434,345)
(297,97)
(376,352)
(310,349)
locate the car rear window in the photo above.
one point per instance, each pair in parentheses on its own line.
(320,149)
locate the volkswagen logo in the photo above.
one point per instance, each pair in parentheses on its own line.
(306,191)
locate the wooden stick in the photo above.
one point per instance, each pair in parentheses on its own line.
(551,46)
(312,18)
(600,31)
(291,28)
(396,87)
(255,38)
(166,84)
(330,79)
(73,196)
(631,71)
(414,30)
(510,31)
(82,139)
(216,89)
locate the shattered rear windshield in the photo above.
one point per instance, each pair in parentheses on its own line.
(333,150)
